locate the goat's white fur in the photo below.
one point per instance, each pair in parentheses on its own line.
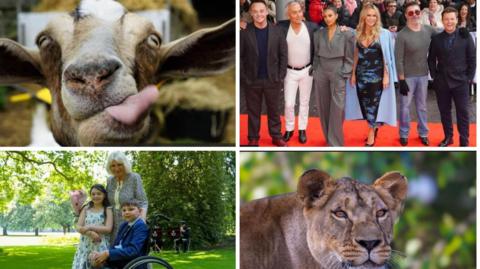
(108,10)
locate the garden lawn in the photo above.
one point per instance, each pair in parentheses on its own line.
(61,257)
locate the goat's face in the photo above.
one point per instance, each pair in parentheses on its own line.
(96,70)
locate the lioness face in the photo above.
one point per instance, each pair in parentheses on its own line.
(350,224)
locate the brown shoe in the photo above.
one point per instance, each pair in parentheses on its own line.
(279,142)
(253,143)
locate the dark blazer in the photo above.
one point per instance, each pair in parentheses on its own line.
(455,66)
(311,27)
(276,58)
(133,241)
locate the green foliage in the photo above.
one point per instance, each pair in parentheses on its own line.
(197,187)
(22,218)
(435,234)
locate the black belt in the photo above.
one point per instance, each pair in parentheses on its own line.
(298,68)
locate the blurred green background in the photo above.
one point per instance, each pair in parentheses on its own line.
(437,227)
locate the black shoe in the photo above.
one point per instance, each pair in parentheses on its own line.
(253,143)
(446,142)
(424,140)
(279,142)
(287,135)
(302,136)
(403,141)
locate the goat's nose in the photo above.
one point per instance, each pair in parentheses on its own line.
(369,244)
(94,75)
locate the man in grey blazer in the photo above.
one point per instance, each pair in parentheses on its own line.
(263,65)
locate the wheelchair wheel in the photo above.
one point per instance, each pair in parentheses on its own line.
(148,262)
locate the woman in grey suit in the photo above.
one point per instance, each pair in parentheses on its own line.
(332,66)
(123,185)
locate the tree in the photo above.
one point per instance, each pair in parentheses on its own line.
(22,218)
(5,219)
(191,186)
(27,177)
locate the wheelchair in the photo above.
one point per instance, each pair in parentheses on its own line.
(149,262)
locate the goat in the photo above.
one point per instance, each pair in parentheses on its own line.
(97,60)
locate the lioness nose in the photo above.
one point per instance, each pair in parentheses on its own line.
(93,75)
(369,244)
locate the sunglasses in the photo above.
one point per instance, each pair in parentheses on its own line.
(411,13)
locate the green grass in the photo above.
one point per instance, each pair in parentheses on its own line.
(61,257)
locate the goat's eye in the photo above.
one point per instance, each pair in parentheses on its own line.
(340,214)
(153,41)
(43,41)
(381,213)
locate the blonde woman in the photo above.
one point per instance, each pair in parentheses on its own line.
(374,74)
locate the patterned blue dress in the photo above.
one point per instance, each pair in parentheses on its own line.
(369,75)
(86,246)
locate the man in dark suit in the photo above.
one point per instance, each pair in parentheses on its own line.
(299,36)
(451,61)
(263,65)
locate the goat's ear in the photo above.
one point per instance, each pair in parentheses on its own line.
(314,188)
(18,64)
(205,52)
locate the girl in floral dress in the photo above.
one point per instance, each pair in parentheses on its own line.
(94,224)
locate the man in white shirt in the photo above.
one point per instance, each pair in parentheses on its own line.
(299,35)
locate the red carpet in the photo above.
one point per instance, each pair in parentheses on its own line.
(355,134)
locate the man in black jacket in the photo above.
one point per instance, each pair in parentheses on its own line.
(451,61)
(263,65)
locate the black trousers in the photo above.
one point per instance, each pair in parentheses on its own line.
(460,97)
(254,94)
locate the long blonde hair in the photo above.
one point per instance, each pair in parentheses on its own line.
(361,28)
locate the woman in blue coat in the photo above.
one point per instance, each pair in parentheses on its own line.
(371,93)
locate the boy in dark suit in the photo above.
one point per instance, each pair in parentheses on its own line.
(129,242)
(451,61)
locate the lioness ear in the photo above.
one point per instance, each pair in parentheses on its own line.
(205,52)
(19,64)
(314,187)
(392,187)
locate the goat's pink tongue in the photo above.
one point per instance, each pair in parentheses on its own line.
(134,106)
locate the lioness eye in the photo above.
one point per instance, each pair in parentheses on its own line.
(43,41)
(153,41)
(381,213)
(340,214)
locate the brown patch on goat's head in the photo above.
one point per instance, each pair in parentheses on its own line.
(91,65)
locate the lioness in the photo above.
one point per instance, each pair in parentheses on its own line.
(326,224)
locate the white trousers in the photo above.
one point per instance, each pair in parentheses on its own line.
(297,79)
